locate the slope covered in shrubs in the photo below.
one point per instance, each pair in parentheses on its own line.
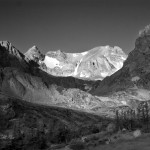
(24,125)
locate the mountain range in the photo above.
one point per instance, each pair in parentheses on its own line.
(67,90)
(30,76)
(94,64)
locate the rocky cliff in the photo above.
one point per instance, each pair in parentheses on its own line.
(34,54)
(11,57)
(132,82)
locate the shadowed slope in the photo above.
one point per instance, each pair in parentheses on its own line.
(24,125)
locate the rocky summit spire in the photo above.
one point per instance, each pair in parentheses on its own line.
(11,49)
(10,56)
(34,54)
(145,31)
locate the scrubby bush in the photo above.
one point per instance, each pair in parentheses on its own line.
(132,119)
(111,128)
(77,144)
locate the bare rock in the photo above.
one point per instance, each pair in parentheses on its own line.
(137,133)
(34,54)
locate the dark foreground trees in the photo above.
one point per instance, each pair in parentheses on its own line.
(133,119)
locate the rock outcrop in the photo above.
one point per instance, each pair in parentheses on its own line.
(11,57)
(34,54)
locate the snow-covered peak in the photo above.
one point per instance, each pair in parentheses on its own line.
(94,64)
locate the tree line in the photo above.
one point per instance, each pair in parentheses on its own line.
(132,119)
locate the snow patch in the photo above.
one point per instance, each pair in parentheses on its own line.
(75,55)
(119,65)
(84,74)
(106,47)
(124,58)
(134,79)
(104,74)
(124,102)
(84,53)
(76,69)
(51,62)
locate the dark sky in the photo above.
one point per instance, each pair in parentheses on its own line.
(72,25)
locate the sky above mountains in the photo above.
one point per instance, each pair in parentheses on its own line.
(72,25)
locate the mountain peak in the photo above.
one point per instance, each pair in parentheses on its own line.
(34,48)
(143,41)
(11,49)
(145,31)
(94,64)
(34,54)
(5,43)
(10,56)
